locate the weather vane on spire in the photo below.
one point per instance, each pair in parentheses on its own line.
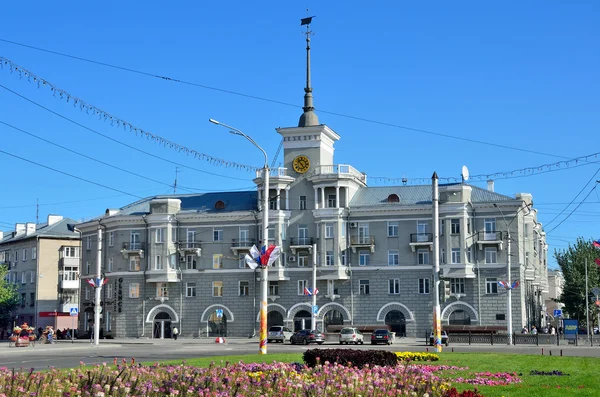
(308,118)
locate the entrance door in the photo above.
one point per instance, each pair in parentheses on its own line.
(396,321)
(274,318)
(459,317)
(162,326)
(302,320)
(217,324)
(332,317)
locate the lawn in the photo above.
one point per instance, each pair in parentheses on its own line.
(582,378)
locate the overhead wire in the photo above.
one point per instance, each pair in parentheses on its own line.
(574,209)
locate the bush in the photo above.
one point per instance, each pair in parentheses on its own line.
(466,393)
(356,358)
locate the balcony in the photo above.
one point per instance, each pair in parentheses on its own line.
(167,275)
(189,248)
(338,171)
(69,284)
(242,245)
(301,243)
(489,238)
(69,261)
(133,249)
(333,273)
(362,242)
(421,240)
(456,270)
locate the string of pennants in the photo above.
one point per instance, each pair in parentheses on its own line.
(309,291)
(103,115)
(97,282)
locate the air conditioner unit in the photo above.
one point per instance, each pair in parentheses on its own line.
(353,225)
(291,258)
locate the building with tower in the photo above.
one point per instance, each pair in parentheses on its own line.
(178,260)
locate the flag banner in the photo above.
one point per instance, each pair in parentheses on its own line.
(104,281)
(251,262)
(273,256)
(597,243)
(91,282)
(307,291)
(503,284)
(597,260)
(306,21)
(316,290)
(514,285)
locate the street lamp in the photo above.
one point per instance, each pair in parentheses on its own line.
(264,272)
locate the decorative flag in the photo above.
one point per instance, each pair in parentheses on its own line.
(251,262)
(596,243)
(104,281)
(514,285)
(316,291)
(91,282)
(306,21)
(503,284)
(264,258)
(597,260)
(307,291)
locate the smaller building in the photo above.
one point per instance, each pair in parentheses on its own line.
(43,260)
(556,282)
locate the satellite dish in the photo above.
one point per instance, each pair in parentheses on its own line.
(464,173)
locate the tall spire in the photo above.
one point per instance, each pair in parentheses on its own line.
(309,117)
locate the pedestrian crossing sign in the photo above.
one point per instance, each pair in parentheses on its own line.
(74,311)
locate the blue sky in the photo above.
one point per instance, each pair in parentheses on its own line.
(518,74)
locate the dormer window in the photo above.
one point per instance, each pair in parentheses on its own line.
(219,205)
(393,198)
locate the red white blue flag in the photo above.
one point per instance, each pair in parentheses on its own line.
(596,243)
(91,282)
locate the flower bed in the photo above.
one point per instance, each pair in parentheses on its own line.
(412,356)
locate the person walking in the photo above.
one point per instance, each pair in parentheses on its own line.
(175,333)
(92,334)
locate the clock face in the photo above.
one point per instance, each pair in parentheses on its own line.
(301,164)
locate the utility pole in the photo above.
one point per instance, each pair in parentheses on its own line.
(587,299)
(98,289)
(437,326)
(313,324)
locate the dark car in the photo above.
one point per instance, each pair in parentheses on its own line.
(382,336)
(307,336)
(445,338)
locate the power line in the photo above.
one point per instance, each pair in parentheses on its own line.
(11,65)
(574,209)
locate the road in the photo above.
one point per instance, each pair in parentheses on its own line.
(65,354)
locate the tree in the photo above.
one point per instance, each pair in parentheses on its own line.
(572,264)
(9,299)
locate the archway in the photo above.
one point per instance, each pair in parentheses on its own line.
(459,317)
(332,317)
(162,326)
(217,324)
(302,320)
(396,321)
(274,318)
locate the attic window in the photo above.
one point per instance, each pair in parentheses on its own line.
(393,198)
(219,205)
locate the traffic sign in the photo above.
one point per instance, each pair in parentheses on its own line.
(219,313)
(596,291)
(315,309)
(557,313)
(74,312)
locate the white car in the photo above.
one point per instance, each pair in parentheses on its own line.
(351,335)
(279,333)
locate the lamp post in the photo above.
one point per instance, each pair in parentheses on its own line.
(264,272)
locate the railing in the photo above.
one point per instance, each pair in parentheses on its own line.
(301,241)
(189,244)
(362,240)
(489,236)
(421,237)
(340,169)
(273,172)
(243,243)
(133,246)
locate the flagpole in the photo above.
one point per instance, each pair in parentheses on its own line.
(587,309)
(98,283)
(313,324)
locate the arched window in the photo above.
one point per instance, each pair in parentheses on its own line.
(219,205)
(393,198)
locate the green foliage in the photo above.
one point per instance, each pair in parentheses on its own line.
(9,299)
(357,358)
(572,264)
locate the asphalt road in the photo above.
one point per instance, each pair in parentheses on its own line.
(65,354)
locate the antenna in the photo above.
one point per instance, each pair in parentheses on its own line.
(464,173)
(37,211)
(175,184)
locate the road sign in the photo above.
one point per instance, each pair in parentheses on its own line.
(219,313)
(315,309)
(596,291)
(557,313)
(74,312)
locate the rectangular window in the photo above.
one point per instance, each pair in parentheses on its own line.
(394,286)
(274,288)
(159,235)
(442,255)
(457,285)
(455,255)
(244,237)
(490,229)
(329,258)
(242,261)
(491,285)
(329,230)
(363,287)
(88,267)
(70,273)
(108,321)
(301,285)
(88,243)
(110,264)
(470,254)
(302,260)
(455,226)
(423,286)
(303,235)
(71,252)
(191,238)
(344,225)
(88,293)
(491,255)
(134,264)
(134,290)
(109,291)
(392,228)
(217,287)
(32,276)
(302,202)
(244,288)
(423,256)
(344,258)
(190,290)
(23,277)
(23,300)
(135,241)
(217,235)
(393,258)
(363,258)
(442,226)
(24,254)
(34,253)
(158,264)
(331,201)
(190,262)
(111,239)
(162,290)
(32,299)
(217,261)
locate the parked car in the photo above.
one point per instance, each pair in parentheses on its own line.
(445,338)
(307,336)
(382,336)
(351,335)
(279,333)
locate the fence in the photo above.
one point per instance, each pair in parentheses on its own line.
(493,338)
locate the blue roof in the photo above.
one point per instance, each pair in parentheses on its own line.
(416,194)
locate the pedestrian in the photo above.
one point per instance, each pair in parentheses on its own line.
(92,333)
(50,335)
(552,330)
(524,330)
(175,333)
(534,330)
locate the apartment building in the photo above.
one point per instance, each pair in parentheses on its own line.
(43,260)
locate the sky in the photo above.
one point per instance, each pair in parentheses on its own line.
(410,88)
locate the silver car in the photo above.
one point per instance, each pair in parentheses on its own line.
(351,335)
(279,333)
